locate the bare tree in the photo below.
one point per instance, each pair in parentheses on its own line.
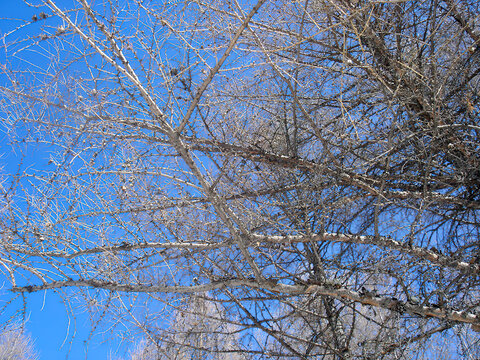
(198,330)
(308,169)
(16,345)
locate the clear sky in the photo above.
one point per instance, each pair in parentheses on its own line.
(47,320)
(51,328)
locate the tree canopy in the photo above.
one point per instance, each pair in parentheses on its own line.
(249,180)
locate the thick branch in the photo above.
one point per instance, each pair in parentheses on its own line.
(385,302)
(380,241)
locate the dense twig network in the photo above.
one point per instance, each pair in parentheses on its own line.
(267,179)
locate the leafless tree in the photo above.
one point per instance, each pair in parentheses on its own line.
(15,344)
(302,174)
(200,330)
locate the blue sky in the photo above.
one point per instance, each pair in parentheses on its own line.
(56,333)
(52,330)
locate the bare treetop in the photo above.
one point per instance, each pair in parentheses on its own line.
(299,179)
